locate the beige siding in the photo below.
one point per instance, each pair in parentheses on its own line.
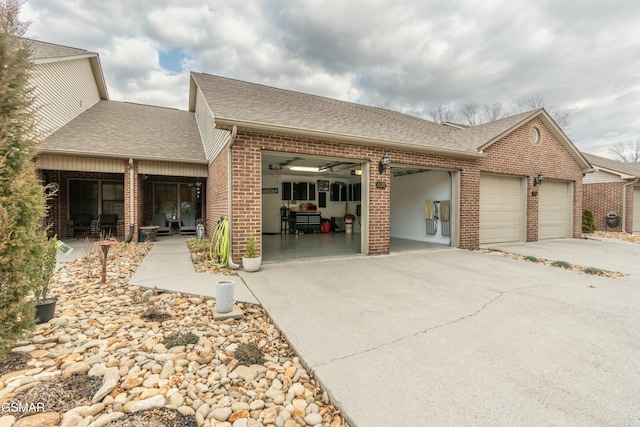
(599,177)
(501,209)
(172,169)
(63,91)
(82,164)
(213,139)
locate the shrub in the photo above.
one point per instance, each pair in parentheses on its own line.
(531,258)
(251,247)
(588,224)
(177,339)
(593,270)
(248,354)
(561,264)
(22,198)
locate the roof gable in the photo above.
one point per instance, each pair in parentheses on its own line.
(43,53)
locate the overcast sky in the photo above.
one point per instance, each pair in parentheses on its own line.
(582,56)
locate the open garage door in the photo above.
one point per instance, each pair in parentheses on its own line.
(555,204)
(636,210)
(501,209)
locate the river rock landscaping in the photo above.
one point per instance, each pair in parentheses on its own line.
(120,355)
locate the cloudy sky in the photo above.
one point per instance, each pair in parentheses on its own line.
(581,56)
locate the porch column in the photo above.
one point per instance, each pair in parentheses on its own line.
(131,191)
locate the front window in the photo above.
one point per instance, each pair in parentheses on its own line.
(174,200)
(95,197)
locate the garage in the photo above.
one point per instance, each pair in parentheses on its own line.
(636,210)
(502,212)
(554,210)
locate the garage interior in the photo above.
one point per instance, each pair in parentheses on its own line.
(421,208)
(302,195)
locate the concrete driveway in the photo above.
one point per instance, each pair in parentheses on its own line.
(453,337)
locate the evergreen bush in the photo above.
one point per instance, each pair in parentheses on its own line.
(588,224)
(23,244)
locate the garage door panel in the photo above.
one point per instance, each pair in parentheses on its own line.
(500,209)
(636,210)
(554,206)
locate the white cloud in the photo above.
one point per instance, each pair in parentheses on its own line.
(406,54)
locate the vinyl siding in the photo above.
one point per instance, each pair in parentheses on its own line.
(599,177)
(63,91)
(82,164)
(213,139)
(172,169)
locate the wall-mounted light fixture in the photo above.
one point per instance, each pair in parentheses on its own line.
(538,180)
(356,172)
(384,162)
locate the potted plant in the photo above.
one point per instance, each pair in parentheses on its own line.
(45,305)
(251,261)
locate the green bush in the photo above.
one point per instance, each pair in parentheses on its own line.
(177,339)
(588,224)
(593,270)
(561,264)
(248,354)
(531,258)
(23,242)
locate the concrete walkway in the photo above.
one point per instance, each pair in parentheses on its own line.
(168,266)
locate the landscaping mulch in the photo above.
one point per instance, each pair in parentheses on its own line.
(15,361)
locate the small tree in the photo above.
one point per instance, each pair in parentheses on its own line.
(588,224)
(22,201)
(626,151)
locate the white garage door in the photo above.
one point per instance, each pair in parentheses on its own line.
(636,210)
(554,210)
(501,209)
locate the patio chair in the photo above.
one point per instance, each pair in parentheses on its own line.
(160,219)
(81,224)
(188,225)
(108,224)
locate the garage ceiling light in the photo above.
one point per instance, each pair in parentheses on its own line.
(304,168)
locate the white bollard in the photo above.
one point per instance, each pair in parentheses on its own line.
(224,296)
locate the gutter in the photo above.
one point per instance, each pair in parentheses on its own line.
(232,139)
(624,204)
(387,144)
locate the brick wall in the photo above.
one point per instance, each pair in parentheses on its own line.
(517,155)
(603,198)
(247,194)
(217,191)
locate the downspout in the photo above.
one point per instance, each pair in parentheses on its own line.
(234,133)
(624,205)
(131,201)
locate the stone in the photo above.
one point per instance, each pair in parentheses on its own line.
(97,370)
(70,419)
(131,382)
(149,392)
(76,368)
(221,414)
(157,401)
(290,371)
(336,421)
(313,419)
(241,422)
(239,414)
(186,411)
(176,399)
(270,416)
(25,348)
(167,370)
(105,419)
(112,373)
(256,405)
(107,387)
(43,419)
(245,371)
(239,406)
(235,313)
(9,420)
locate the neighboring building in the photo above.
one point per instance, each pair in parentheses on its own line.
(258,151)
(613,187)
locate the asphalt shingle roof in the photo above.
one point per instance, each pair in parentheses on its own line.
(614,165)
(235,100)
(122,129)
(43,50)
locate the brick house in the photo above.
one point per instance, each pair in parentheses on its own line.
(257,151)
(613,187)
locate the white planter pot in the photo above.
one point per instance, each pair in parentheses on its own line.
(251,264)
(224,296)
